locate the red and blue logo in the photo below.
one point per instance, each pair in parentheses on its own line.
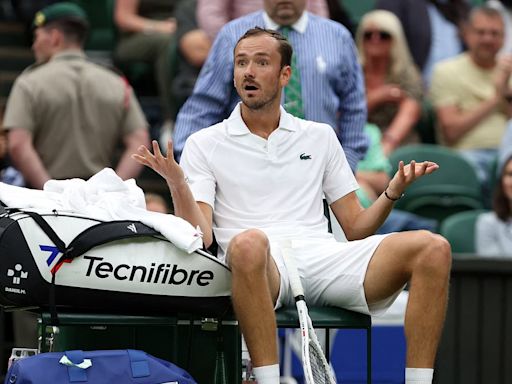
(54,252)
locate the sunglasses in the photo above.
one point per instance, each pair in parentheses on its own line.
(383,35)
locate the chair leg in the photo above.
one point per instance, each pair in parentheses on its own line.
(328,344)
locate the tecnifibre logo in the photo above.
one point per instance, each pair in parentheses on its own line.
(163,273)
(157,274)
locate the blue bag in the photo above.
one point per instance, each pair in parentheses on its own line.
(96,367)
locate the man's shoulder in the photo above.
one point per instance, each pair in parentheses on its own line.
(52,67)
(33,72)
(327,29)
(208,134)
(455,63)
(328,25)
(241,24)
(314,129)
(101,69)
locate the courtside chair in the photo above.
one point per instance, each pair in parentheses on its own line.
(453,188)
(459,230)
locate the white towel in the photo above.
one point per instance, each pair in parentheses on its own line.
(105,196)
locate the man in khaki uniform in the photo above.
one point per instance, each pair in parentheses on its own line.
(66,115)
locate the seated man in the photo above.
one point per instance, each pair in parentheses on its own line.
(257,180)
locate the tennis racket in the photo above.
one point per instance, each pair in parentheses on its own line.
(316,368)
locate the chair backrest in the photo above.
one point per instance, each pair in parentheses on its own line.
(459,230)
(452,188)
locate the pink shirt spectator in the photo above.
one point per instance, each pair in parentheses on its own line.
(213,14)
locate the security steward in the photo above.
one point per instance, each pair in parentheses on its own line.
(67,115)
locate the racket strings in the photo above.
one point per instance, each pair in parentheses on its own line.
(319,367)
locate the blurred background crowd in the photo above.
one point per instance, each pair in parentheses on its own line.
(415,79)
(425,79)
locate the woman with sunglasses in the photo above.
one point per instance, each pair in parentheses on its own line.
(393,83)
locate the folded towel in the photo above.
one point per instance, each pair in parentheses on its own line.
(105,196)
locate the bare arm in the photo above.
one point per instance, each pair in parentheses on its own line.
(403,123)
(212,15)
(26,159)
(357,222)
(194,46)
(127,19)
(196,213)
(455,123)
(127,168)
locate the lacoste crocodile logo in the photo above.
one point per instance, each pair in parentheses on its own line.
(303,156)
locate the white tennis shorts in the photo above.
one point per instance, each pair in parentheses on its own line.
(332,273)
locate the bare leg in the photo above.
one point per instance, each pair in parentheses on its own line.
(255,286)
(424,259)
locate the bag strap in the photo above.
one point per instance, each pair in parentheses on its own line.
(76,374)
(139,363)
(61,246)
(106,232)
(47,229)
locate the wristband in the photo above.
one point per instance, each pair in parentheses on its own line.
(390,198)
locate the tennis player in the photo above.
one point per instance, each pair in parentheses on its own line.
(258,178)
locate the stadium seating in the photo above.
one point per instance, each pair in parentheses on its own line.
(459,230)
(453,188)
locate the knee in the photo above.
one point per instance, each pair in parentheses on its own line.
(435,255)
(248,251)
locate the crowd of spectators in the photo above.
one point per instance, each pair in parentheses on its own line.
(403,56)
(67,117)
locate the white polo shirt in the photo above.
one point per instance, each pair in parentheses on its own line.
(275,185)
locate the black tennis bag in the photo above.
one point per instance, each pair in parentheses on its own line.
(71,262)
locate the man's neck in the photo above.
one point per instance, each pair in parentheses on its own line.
(261,122)
(484,64)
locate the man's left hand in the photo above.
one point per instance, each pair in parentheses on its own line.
(407,174)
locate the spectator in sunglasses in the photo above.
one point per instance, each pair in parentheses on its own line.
(393,83)
(433,29)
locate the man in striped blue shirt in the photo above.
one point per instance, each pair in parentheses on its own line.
(331,78)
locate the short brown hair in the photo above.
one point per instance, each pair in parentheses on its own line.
(285,48)
(74,31)
(485,10)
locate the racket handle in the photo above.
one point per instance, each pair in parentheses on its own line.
(293,274)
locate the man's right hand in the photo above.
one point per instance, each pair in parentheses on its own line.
(502,75)
(165,166)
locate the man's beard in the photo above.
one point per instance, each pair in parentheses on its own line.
(255,104)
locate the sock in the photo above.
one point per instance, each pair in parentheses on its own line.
(419,375)
(268,374)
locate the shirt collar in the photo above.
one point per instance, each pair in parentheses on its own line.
(236,126)
(69,54)
(300,25)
